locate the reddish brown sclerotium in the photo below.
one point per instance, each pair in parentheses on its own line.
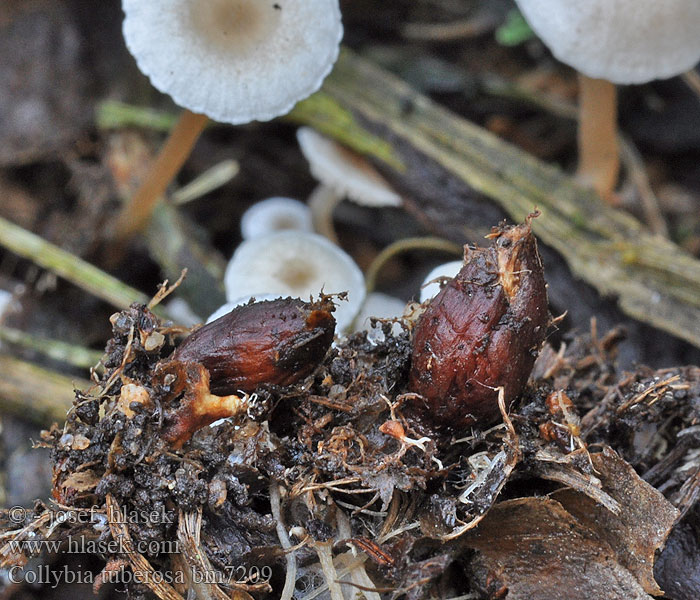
(482,331)
(276,342)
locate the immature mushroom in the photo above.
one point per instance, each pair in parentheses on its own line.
(342,174)
(297,264)
(234,61)
(611,42)
(274,215)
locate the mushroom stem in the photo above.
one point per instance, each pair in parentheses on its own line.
(599,161)
(322,203)
(138,209)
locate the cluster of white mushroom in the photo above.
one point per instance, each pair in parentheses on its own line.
(253,60)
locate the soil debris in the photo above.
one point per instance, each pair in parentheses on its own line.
(314,484)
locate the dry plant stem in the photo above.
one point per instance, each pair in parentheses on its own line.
(213,178)
(454,30)
(290,576)
(638,174)
(112,114)
(325,557)
(138,563)
(172,156)
(64,264)
(322,203)
(358,574)
(599,161)
(35,394)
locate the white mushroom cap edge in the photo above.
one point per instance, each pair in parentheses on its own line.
(234,60)
(623,41)
(343,172)
(430,288)
(297,264)
(274,215)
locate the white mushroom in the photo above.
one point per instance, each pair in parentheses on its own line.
(274,215)
(298,264)
(609,42)
(431,284)
(341,174)
(234,61)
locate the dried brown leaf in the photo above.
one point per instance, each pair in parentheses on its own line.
(536,550)
(536,547)
(640,528)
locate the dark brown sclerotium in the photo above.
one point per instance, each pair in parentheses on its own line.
(275,342)
(482,331)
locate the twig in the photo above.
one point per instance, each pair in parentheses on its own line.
(692,80)
(637,172)
(453,30)
(213,178)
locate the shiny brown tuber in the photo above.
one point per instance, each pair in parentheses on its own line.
(277,342)
(482,331)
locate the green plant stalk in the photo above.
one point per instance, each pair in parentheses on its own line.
(34,393)
(111,114)
(79,272)
(407,245)
(76,356)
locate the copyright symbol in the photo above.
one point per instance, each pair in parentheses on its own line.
(17,515)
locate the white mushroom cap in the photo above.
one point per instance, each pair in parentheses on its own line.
(346,173)
(229,306)
(297,264)
(234,60)
(430,287)
(274,215)
(623,41)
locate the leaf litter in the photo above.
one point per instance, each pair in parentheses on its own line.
(327,485)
